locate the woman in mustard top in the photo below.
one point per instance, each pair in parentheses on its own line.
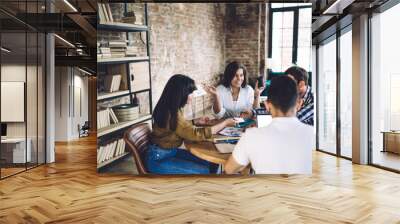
(170,130)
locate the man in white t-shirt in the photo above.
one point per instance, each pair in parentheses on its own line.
(283,147)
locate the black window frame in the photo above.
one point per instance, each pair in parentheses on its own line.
(295,10)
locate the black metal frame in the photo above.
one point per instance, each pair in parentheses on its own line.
(334,37)
(31,29)
(127,29)
(380,9)
(386,6)
(295,11)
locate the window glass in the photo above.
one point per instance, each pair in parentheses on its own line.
(327,97)
(385,89)
(346,94)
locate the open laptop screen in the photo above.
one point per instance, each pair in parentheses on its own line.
(264,118)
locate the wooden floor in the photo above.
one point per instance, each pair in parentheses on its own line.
(70,191)
(386,159)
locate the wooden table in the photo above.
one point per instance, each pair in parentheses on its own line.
(391,141)
(207,151)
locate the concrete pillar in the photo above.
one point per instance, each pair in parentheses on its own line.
(50,99)
(360,90)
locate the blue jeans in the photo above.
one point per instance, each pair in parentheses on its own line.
(176,161)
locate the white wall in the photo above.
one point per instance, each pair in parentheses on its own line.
(69,85)
(33,126)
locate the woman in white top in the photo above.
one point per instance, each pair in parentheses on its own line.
(234,98)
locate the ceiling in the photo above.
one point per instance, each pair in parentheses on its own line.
(330,15)
(73,20)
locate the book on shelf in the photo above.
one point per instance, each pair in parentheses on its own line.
(105,52)
(101,13)
(119,69)
(110,16)
(112,83)
(117,43)
(111,150)
(113,116)
(105,14)
(131,51)
(103,118)
(117,48)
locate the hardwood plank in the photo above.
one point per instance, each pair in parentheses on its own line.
(70,191)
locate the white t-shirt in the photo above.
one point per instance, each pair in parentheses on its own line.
(283,147)
(230,108)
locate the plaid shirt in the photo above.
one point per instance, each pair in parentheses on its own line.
(306,112)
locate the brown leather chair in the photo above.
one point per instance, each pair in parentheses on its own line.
(138,139)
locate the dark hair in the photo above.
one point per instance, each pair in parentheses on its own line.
(282,93)
(299,73)
(173,98)
(230,72)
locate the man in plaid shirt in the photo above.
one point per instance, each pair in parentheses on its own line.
(306,112)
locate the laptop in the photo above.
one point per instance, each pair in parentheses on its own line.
(264,118)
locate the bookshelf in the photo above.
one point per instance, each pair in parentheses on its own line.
(121,60)
(104,96)
(122,27)
(115,127)
(105,163)
(124,82)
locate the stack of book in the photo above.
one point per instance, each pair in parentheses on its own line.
(112,83)
(105,15)
(131,51)
(117,48)
(110,150)
(105,52)
(103,118)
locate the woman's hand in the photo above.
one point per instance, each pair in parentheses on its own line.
(246,114)
(258,90)
(210,89)
(202,121)
(230,122)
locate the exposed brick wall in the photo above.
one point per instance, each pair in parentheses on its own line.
(243,39)
(198,40)
(188,39)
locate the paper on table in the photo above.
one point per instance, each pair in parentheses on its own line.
(238,119)
(225,147)
(231,132)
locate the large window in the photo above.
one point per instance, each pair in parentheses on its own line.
(289,36)
(385,89)
(326,103)
(346,93)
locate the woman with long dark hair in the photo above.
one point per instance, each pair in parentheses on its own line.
(170,130)
(234,98)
